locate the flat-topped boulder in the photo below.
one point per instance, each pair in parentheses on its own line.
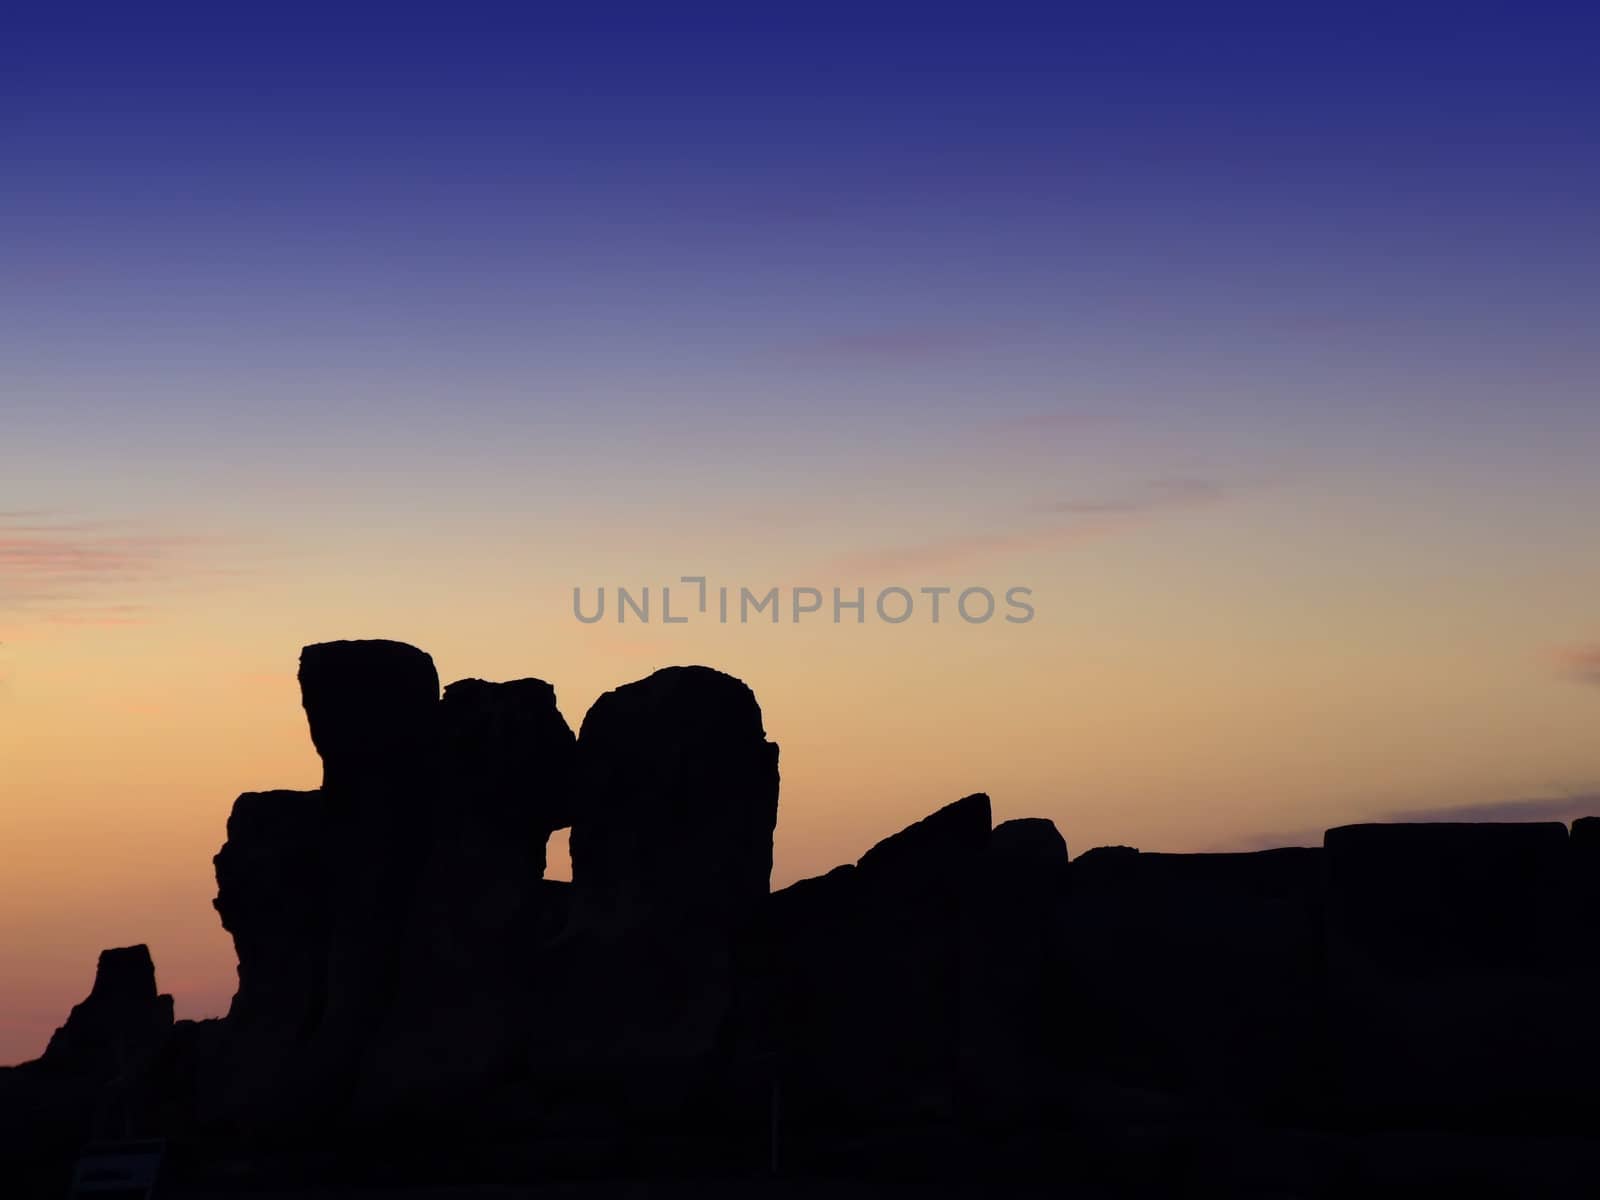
(370,705)
(1034,840)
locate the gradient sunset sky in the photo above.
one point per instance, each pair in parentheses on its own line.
(1265,356)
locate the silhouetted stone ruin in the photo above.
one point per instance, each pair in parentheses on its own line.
(962,1001)
(122,1019)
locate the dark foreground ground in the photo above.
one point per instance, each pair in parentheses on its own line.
(1116,1159)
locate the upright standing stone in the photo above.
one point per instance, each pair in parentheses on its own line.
(675,802)
(677,798)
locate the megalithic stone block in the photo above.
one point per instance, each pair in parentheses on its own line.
(676,798)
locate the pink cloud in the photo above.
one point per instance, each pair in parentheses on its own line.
(55,571)
(1581,663)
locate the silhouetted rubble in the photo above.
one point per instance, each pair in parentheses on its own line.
(963,998)
(50,1106)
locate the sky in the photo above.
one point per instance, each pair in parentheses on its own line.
(1263,355)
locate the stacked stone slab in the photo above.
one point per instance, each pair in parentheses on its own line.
(383,922)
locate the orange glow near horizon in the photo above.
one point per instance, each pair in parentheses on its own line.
(1132,710)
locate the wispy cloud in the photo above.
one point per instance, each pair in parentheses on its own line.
(1078,520)
(60,571)
(1581,663)
(1153,496)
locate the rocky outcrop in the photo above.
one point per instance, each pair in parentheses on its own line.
(120,1022)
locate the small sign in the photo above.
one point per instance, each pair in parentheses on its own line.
(117,1169)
